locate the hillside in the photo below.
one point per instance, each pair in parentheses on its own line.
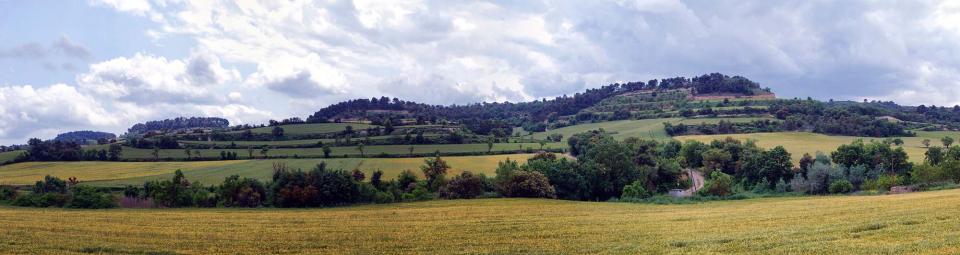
(918,223)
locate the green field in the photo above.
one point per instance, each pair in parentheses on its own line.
(9,155)
(313,128)
(647,128)
(916,223)
(798,143)
(372,150)
(290,142)
(117,174)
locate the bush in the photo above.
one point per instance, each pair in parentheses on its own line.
(527,184)
(926,173)
(720,184)
(241,192)
(465,186)
(634,191)
(90,198)
(799,183)
(41,200)
(840,187)
(7,193)
(319,187)
(885,182)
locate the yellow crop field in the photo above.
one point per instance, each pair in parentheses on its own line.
(916,223)
(213,172)
(798,143)
(30,172)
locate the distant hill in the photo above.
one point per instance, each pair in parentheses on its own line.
(82,136)
(482,118)
(179,123)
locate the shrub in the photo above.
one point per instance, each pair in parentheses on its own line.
(527,184)
(406,180)
(799,183)
(886,181)
(720,184)
(90,198)
(319,187)
(782,186)
(7,193)
(465,186)
(241,192)
(926,173)
(41,200)
(634,191)
(841,186)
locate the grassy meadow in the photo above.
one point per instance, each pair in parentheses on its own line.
(916,223)
(798,143)
(312,128)
(370,150)
(118,174)
(9,155)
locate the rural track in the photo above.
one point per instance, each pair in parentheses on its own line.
(698,181)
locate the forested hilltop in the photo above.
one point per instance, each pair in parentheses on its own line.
(84,136)
(709,95)
(179,123)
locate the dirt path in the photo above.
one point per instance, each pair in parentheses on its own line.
(697,178)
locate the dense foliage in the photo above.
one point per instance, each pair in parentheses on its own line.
(179,123)
(83,136)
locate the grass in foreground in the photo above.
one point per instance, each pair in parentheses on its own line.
(925,223)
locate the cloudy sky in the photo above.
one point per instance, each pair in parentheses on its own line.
(107,64)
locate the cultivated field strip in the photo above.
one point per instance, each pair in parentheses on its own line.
(917,223)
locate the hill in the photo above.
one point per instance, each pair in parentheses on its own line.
(917,223)
(84,136)
(180,123)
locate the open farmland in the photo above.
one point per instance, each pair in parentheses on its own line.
(370,150)
(646,128)
(313,128)
(117,174)
(927,222)
(9,155)
(798,143)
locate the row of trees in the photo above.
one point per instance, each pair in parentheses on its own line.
(66,151)
(179,123)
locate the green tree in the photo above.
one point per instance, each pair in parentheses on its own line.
(926,143)
(250,152)
(897,141)
(115,151)
(776,165)
(188,152)
(720,184)
(934,155)
(360,148)
(434,169)
(947,141)
(388,127)
(410,150)
(277,132)
(264,151)
(156,153)
(489,145)
(326,151)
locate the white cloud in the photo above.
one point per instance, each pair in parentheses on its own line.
(308,54)
(30,111)
(148,79)
(138,7)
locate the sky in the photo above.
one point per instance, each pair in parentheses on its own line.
(108,64)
